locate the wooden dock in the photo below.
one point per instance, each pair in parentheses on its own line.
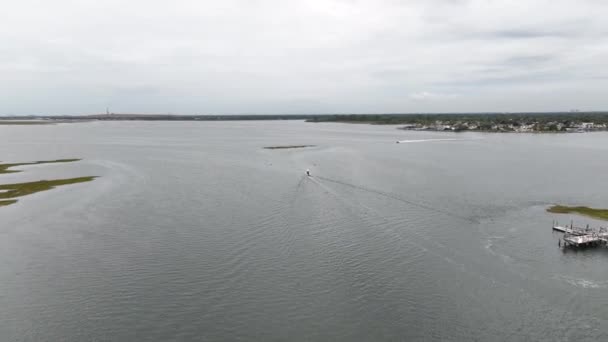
(594,239)
(582,237)
(571,229)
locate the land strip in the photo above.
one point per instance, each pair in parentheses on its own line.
(287,147)
(4,168)
(601,214)
(9,192)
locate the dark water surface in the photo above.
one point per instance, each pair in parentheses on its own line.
(195,232)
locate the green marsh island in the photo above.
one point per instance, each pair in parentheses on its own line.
(287,147)
(4,168)
(9,192)
(601,214)
(27,123)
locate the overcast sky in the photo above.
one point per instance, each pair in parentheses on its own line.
(312,56)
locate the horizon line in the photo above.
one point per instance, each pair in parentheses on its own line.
(307,114)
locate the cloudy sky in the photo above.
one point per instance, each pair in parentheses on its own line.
(309,56)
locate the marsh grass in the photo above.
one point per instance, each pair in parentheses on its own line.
(601,214)
(4,168)
(9,192)
(2,122)
(23,189)
(287,147)
(7,202)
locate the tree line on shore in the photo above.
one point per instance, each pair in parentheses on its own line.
(484,121)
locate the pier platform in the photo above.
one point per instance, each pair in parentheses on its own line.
(582,237)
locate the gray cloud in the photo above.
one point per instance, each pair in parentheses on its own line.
(267,56)
(530,59)
(528,79)
(526,34)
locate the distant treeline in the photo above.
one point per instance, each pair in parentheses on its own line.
(567,118)
(158,117)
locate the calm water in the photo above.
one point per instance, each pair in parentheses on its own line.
(194,232)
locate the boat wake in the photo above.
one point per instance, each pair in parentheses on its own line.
(583,283)
(415,203)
